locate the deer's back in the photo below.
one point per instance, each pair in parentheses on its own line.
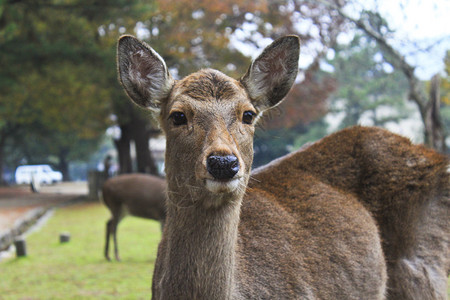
(140,195)
(372,163)
(394,179)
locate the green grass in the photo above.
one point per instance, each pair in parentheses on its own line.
(78,270)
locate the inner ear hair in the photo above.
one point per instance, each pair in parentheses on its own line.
(271,76)
(143,73)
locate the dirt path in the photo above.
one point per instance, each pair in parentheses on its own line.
(19,203)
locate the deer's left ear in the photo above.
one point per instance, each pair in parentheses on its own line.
(270,77)
(143,73)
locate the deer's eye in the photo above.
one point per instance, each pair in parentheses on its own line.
(178,118)
(248,117)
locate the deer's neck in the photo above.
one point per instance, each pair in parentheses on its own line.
(199,260)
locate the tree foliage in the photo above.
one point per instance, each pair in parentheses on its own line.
(377,28)
(52,90)
(369,88)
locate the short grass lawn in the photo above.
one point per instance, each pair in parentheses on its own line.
(78,269)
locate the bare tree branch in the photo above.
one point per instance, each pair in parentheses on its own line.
(393,56)
(428,106)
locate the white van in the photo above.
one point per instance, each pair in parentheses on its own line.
(41,173)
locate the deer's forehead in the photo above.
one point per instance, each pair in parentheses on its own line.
(208,86)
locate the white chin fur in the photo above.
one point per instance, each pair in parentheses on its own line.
(216,186)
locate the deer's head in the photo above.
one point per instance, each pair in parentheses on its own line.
(208,118)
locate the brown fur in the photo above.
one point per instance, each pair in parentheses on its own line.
(404,186)
(305,226)
(138,195)
(206,85)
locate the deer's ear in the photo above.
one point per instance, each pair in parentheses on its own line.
(270,77)
(143,73)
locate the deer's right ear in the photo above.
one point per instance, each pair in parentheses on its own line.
(143,73)
(272,74)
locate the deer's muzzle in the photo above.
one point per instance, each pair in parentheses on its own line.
(222,167)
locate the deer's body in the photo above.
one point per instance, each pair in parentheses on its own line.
(406,189)
(138,195)
(305,226)
(295,242)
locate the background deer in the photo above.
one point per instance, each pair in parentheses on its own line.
(139,195)
(304,227)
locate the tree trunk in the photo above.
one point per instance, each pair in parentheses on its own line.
(141,136)
(434,132)
(63,165)
(145,162)
(136,126)
(123,150)
(6,132)
(2,145)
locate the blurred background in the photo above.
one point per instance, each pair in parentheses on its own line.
(378,62)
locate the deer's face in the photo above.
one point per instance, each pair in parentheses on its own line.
(209,124)
(208,118)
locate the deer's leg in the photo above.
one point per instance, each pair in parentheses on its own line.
(108,234)
(114,233)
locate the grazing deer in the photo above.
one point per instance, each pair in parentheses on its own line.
(308,225)
(139,195)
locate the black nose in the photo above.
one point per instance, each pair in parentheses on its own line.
(222,167)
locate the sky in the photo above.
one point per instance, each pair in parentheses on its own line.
(419,19)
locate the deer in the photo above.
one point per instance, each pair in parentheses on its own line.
(359,214)
(405,187)
(139,195)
